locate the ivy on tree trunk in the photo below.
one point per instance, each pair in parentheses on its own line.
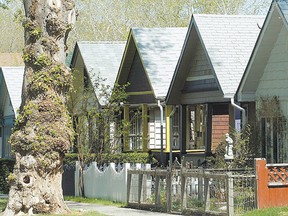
(43,131)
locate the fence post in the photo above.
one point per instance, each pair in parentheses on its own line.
(206,193)
(140,183)
(169,188)
(183,189)
(157,190)
(200,185)
(129,180)
(230,194)
(262,192)
(145,182)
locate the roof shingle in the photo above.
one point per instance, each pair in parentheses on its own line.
(159,49)
(102,59)
(229,41)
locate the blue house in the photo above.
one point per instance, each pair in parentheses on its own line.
(11,81)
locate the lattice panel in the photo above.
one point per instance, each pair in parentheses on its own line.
(278,176)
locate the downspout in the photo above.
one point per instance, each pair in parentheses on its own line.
(161,131)
(171,135)
(241,109)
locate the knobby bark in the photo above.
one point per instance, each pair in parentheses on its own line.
(43,131)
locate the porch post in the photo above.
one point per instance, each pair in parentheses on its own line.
(168,110)
(182,130)
(231,117)
(144,127)
(208,140)
(126,128)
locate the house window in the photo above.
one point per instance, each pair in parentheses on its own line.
(135,135)
(175,129)
(272,139)
(197,116)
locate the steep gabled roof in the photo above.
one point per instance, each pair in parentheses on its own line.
(101,59)
(228,41)
(276,18)
(159,50)
(13,77)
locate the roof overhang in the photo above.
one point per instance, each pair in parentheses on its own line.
(272,26)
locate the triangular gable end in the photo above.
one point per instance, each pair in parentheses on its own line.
(194,78)
(12,80)
(132,71)
(200,77)
(269,35)
(139,89)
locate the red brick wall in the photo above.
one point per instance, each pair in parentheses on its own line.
(220,126)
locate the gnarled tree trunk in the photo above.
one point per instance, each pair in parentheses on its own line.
(43,131)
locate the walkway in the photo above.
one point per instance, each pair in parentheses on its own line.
(112,210)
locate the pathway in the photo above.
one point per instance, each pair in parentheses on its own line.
(112,210)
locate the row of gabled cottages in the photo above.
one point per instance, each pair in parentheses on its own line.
(194,83)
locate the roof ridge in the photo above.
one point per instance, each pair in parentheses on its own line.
(159,27)
(102,42)
(227,15)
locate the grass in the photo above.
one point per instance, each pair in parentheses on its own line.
(3,203)
(74,213)
(94,201)
(279,211)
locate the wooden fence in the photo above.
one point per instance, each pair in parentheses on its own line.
(272,184)
(191,191)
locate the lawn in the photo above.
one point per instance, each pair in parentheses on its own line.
(3,203)
(281,211)
(93,200)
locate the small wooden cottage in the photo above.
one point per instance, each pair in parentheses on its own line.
(263,89)
(95,66)
(214,56)
(95,61)
(11,81)
(148,64)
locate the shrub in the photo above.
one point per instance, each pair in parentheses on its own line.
(6,167)
(131,157)
(243,150)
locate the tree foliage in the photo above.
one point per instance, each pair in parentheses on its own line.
(112,19)
(95,112)
(244,150)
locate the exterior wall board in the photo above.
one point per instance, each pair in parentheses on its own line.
(8,109)
(137,77)
(274,81)
(154,126)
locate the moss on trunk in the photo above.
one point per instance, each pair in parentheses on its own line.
(43,131)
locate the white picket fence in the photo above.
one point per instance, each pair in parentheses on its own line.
(108,184)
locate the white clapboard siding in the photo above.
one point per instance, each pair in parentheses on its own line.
(155,129)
